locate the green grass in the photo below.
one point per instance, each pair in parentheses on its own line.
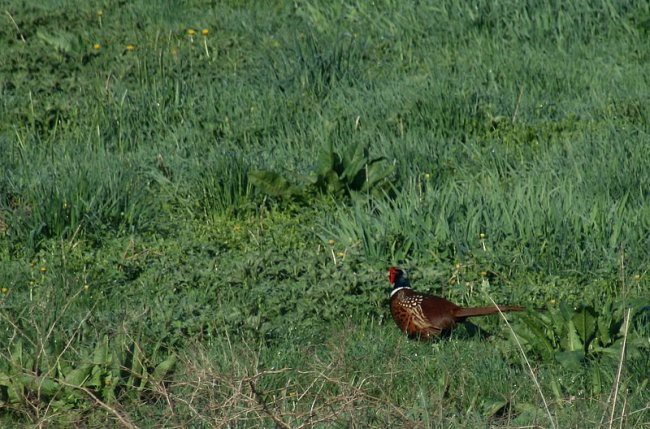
(518,133)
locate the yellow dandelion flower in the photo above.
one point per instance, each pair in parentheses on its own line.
(330,242)
(205,32)
(43,269)
(191,32)
(97,46)
(457,266)
(4,290)
(483,273)
(482,235)
(86,286)
(100,13)
(130,48)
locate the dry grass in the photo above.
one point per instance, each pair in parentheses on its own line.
(245,395)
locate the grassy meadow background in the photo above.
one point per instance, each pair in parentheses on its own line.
(146,280)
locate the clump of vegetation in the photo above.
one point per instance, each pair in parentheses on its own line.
(338,175)
(586,337)
(114,368)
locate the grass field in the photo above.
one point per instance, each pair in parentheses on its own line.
(199,201)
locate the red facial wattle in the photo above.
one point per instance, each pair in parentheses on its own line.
(393,275)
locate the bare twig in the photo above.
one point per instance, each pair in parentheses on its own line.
(124,420)
(17,329)
(260,400)
(233,399)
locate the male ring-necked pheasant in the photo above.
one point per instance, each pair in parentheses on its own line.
(427,316)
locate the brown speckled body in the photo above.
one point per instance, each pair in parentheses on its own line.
(426,316)
(422,316)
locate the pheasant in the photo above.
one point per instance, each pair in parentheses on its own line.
(427,316)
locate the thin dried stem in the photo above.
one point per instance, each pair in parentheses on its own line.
(517,103)
(617,383)
(123,419)
(20,33)
(530,368)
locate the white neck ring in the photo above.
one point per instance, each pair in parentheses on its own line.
(394,291)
